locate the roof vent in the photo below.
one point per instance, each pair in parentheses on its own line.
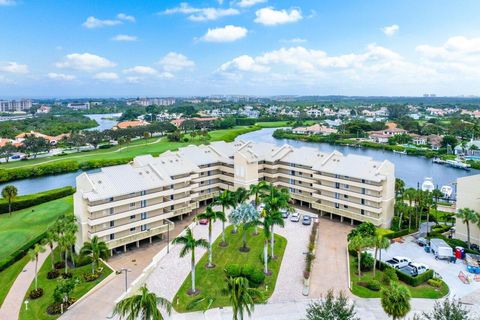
(99,181)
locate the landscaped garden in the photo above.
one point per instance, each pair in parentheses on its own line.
(9,275)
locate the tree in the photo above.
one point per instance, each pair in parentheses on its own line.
(34,145)
(211,216)
(332,308)
(266,233)
(380,242)
(239,196)
(257,189)
(189,244)
(397,111)
(143,305)
(447,310)
(396,301)
(245,215)
(242,297)
(410,194)
(33,255)
(224,199)
(50,240)
(7,151)
(358,243)
(364,229)
(94,137)
(63,290)
(399,187)
(467,216)
(9,193)
(96,250)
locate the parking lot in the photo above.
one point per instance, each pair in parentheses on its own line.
(448,271)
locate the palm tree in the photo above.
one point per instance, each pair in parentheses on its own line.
(399,187)
(467,216)
(255,190)
(410,193)
(9,193)
(50,241)
(211,216)
(97,250)
(357,244)
(189,244)
(224,199)
(239,197)
(33,254)
(396,301)
(241,296)
(275,200)
(143,305)
(380,243)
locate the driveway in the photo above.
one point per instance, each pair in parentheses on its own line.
(330,267)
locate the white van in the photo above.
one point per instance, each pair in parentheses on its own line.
(441,249)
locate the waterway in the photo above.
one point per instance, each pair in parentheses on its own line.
(104,121)
(413,170)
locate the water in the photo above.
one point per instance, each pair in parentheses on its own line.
(412,170)
(104,124)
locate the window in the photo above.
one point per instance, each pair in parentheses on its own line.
(345,206)
(111,200)
(292,172)
(337,185)
(172,207)
(132,205)
(345,196)
(363,180)
(346,177)
(171,186)
(337,205)
(362,201)
(336,176)
(112,236)
(144,203)
(172,197)
(363,190)
(112,224)
(337,195)
(112,210)
(362,212)
(209,173)
(142,193)
(132,229)
(143,215)
(346,186)
(132,217)
(143,227)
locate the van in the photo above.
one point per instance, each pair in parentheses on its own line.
(441,249)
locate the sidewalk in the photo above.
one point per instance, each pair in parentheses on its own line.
(14,300)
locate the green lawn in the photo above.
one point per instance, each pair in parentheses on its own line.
(9,275)
(24,225)
(153,146)
(422,291)
(37,308)
(210,282)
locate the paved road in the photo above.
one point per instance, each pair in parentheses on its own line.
(14,300)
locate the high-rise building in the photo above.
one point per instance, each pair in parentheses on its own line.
(15,105)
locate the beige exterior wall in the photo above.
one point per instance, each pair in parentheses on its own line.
(468,196)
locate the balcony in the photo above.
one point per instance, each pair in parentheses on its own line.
(140,235)
(347,214)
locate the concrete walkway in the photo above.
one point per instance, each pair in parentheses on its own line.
(14,300)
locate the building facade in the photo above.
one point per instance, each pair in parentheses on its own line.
(468,196)
(15,105)
(124,205)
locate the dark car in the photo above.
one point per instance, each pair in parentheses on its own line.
(203,221)
(307,220)
(285,214)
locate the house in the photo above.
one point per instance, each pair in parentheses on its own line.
(314,129)
(418,139)
(333,123)
(53,140)
(314,113)
(130,124)
(178,122)
(435,141)
(471,148)
(382,136)
(44,109)
(79,106)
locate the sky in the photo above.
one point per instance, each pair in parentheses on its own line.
(124,48)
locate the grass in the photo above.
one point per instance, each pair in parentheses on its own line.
(210,282)
(424,291)
(9,275)
(26,224)
(37,308)
(383,232)
(153,146)
(277,124)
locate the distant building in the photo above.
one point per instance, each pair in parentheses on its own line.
(79,105)
(314,129)
(468,196)
(471,148)
(178,122)
(249,112)
(15,105)
(53,140)
(44,109)
(130,124)
(382,136)
(145,102)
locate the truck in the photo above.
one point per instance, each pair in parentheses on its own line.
(398,262)
(441,249)
(414,269)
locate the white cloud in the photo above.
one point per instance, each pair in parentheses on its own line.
(226,34)
(125,17)
(93,22)
(7,2)
(13,67)
(60,76)
(125,38)
(173,61)
(144,70)
(85,62)
(294,40)
(249,3)
(133,79)
(391,30)
(106,76)
(166,75)
(244,63)
(201,14)
(271,17)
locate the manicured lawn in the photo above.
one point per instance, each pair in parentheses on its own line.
(210,282)
(24,225)
(8,276)
(383,232)
(37,308)
(425,291)
(153,146)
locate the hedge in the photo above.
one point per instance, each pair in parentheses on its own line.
(30,200)
(454,243)
(400,233)
(408,279)
(20,253)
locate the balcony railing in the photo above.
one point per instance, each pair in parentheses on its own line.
(141,235)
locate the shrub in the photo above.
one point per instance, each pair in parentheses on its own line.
(82,260)
(437,283)
(366,261)
(389,275)
(89,277)
(415,281)
(31,200)
(59,265)
(105,146)
(374,285)
(36,293)
(56,308)
(53,274)
(67,275)
(233,270)
(256,278)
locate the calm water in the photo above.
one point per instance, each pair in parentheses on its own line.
(412,170)
(104,124)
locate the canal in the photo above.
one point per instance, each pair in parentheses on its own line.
(412,170)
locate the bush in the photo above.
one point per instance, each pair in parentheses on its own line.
(233,270)
(105,146)
(400,233)
(89,277)
(67,275)
(59,265)
(436,283)
(82,260)
(415,281)
(53,274)
(374,285)
(31,200)
(389,275)
(254,276)
(56,308)
(35,294)
(366,261)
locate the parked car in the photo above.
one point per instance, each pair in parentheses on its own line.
(414,269)
(307,220)
(285,214)
(422,242)
(398,262)
(295,217)
(203,221)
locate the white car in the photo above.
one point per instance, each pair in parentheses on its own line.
(414,269)
(295,217)
(398,262)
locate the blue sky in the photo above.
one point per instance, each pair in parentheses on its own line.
(56,48)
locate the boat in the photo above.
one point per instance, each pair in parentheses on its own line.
(458,164)
(438,160)
(400,152)
(428,185)
(447,191)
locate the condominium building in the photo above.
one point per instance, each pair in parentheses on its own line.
(15,105)
(468,196)
(124,205)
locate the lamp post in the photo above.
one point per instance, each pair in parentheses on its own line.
(126,271)
(26,305)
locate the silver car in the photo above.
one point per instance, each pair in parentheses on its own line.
(295,217)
